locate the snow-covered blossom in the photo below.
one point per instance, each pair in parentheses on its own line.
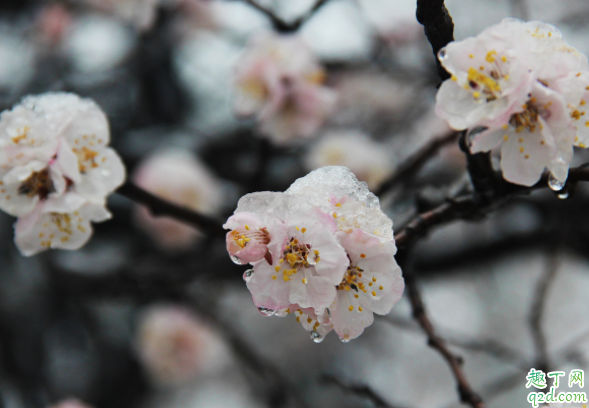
(522,86)
(56,170)
(179,177)
(70,403)
(175,346)
(313,248)
(368,160)
(279,81)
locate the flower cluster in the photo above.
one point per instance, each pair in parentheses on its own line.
(522,86)
(322,250)
(56,170)
(279,81)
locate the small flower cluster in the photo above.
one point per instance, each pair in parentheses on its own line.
(522,86)
(279,81)
(322,250)
(56,170)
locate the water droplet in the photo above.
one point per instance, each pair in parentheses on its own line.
(442,53)
(554,183)
(564,195)
(236,260)
(328,312)
(345,339)
(266,312)
(315,336)
(247,275)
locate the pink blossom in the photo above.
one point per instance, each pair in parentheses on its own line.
(175,346)
(516,83)
(54,160)
(280,82)
(180,178)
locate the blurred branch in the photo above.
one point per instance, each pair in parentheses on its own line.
(282,26)
(467,394)
(410,167)
(439,28)
(360,390)
(479,167)
(159,207)
(490,347)
(537,310)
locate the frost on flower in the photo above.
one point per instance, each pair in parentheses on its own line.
(368,160)
(521,86)
(279,81)
(179,177)
(56,170)
(175,346)
(322,250)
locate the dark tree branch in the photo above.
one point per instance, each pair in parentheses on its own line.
(438,26)
(159,207)
(410,167)
(361,390)
(537,311)
(465,391)
(480,169)
(287,27)
(470,206)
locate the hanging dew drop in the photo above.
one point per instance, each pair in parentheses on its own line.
(554,183)
(315,336)
(236,260)
(345,339)
(266,312)
(247,275)
(564,195)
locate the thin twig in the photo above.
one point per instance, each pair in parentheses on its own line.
(410,167)
(282,26)
(537,311)
(361,390)
(160,207)
(466,393)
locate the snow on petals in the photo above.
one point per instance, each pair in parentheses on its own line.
(56,170)
(279,81)
(316,245)
(519,85)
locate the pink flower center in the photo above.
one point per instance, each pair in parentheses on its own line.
(242,236)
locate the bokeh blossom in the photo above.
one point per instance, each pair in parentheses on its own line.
(179,177)
(175,346)
(370,161)
(521,86)
(70,403)
(322,250)
(279,81)
(56,170)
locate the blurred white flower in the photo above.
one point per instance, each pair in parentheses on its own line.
(180,178)
(70,403)
(56,170)
(97,44)
(279,81)
(370,161)
(175,346)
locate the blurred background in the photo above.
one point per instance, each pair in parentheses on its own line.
(152,313)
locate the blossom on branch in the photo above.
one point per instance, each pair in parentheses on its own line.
(279,81)
(322,250)
(180,178)
(521,86)
(56,170)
